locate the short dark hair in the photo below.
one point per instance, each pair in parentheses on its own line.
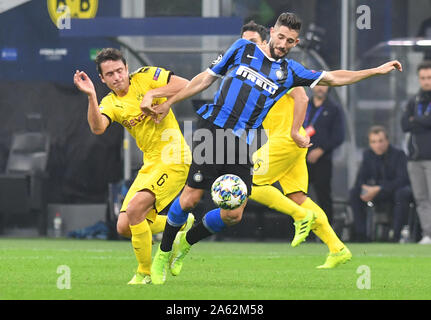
(426,64)
(290,20)
(377,129)
(108,54)
(253,26)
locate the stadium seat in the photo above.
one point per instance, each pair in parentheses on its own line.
(342,220)
(22,186)
(379,223)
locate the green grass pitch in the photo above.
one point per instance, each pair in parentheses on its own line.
(30,269)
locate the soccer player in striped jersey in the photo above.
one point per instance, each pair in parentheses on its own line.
(254,79)
(282,160)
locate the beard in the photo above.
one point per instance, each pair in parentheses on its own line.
(274,55)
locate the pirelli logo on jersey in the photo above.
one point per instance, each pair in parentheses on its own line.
(257,78)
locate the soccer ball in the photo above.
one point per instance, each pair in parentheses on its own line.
(228,191)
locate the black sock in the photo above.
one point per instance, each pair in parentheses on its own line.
(197,233)
(168,237)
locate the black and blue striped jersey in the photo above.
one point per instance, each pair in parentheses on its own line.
(252,83)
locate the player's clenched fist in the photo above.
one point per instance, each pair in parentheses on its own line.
(161,111)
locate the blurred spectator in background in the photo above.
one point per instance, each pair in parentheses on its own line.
(324,123)
(382,180)
(425,32)
(416,120)
(425,29)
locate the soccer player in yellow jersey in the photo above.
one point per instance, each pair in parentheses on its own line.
(282,160)
(166,155)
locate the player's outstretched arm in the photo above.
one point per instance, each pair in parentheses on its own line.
(346,77)
(299,110)
(97,122)
(198,84)
(174,85)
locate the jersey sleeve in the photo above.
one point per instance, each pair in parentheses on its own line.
(303,77)
(106,108)
(222,64)
(156,77)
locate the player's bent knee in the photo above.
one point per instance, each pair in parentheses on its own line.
(190,198)
(124,231)
(231,217)
(139,206)
(123,228)
(297,197)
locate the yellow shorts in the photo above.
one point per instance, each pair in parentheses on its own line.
(280,159)
(165,182)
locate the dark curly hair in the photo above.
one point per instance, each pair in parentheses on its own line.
(253,26)
(108,54)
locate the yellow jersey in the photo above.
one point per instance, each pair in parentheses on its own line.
(163,141)
(278,121)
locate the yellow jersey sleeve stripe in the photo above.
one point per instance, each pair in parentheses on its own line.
(109,118)
(106,108)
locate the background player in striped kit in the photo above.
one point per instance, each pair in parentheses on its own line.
(282,160)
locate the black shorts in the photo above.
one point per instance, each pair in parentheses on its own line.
(218,152)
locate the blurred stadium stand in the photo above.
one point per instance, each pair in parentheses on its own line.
(23,186)
(37,62)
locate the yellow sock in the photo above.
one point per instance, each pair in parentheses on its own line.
(158,225)
(273,198)
(142,245)
(322,228)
